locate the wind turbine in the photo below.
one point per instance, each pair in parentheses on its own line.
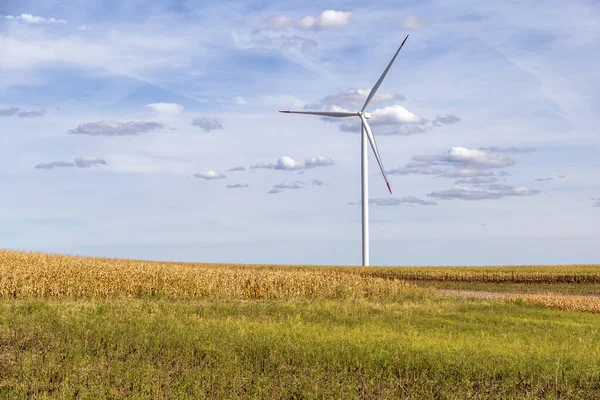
(366,134)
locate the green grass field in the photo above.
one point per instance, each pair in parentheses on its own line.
(381,341)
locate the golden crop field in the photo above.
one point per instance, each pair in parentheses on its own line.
(517,274)
(35,275)
(26,275)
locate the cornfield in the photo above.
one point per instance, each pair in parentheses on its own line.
(535,274)
(558,302)
(25,275)
(34,275)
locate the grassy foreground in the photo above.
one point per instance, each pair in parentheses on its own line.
(97,328)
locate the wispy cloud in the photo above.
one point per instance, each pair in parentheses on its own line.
(284,186)
(208,124)
(470,158)
(237,186)
(236,169)
(30,114)
(115,128)
(412,22)
(491,192)
(16,111)
(34,19)
(9,111)
(289,185)
(85,162)
(397,201)
(276,23)
(446,119)
(467,173)
(55,164)
(511,149)
(407,200)
(415,168)
(79,162)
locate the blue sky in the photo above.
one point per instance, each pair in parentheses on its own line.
(122,120)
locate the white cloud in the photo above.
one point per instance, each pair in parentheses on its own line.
(460,156)
(327,19)
(393,120)
(33,19)
(209,175)
(394,115)
(166,108)
(114,128)
(287,163)
(208,124)
(491,192)
(319,161)
(412,22)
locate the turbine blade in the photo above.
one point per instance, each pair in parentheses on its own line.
(375,150)
(382,77)
(334,114)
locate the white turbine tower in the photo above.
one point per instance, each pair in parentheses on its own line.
(367,134)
